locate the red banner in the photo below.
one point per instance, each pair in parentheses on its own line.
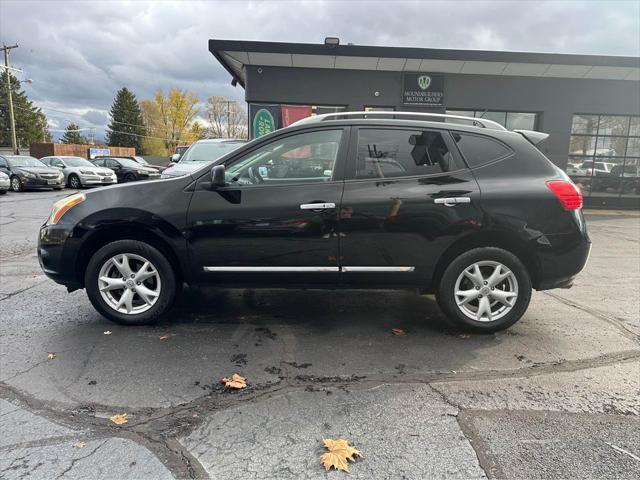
(293,113)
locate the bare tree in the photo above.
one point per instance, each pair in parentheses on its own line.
(227,118)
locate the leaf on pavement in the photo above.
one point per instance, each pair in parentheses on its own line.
(339,454)
(51,356)
(166,336)
(398,331)
(79,445)
(119,418)
(107,332)
(236,381)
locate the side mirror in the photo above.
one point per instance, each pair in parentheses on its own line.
(217,176)
(175,157)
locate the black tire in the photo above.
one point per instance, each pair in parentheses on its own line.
(445,293)
(16,184)
(74,182)
(3,192)
(58,188)
(129,178)
(163,267)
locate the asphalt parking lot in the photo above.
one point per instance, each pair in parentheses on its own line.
(557,395)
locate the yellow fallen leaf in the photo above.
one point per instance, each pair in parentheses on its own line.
(51,356)
(79,445)
(236,381)
(165,337)
(339,454)
(398,331)
(119,418)
(107,332)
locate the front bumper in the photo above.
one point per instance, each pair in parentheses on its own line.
(5,184)
(33,183)
(98,180)
(53,256)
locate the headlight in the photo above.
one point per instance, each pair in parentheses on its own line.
(87,172)
(28,174)
(63,206)
(142,172)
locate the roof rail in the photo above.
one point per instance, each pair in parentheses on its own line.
(334,116)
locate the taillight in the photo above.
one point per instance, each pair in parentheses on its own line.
(567,192)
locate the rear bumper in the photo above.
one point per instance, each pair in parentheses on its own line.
(560,259)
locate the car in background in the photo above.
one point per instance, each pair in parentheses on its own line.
(590,169)
(127,170)
(201,153)
(4,183)
(623,177)
(79,172)
(27,172)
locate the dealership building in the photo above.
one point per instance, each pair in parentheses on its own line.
(590,105)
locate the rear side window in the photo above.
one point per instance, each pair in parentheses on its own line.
(398,153)
(478,150)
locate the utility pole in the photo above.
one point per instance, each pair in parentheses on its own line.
(12,120)
(228,119)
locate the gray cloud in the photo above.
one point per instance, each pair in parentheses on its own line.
(79,53)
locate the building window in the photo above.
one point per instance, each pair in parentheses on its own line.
(604,154)
(509,120)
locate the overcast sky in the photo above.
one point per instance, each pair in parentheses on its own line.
(80,53)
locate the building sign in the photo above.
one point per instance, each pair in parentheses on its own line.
(99,152)
(292,113)
(424,89)
(264,119)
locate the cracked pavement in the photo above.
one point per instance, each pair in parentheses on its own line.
(557,395)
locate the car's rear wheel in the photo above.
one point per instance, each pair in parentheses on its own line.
(74,182)
(485,290)
(130,282)
(16,184)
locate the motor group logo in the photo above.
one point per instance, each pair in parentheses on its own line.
(424,81)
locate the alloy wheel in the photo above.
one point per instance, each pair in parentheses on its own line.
(129,283)
(486,291)
(15,184)
(74,182)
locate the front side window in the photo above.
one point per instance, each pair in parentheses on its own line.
(303,158)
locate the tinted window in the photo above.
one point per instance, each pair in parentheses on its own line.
(478,150)
(3,162)
(398,153)
(99,163)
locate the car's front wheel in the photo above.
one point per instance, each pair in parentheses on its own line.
(16,184)
(485,290)
(74,182)
(130,282)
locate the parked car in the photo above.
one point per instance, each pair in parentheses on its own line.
(27,172)
(626,178)
(590,168)
(4,183)
(127,170)
(475,214)
(202,152)
(79,172)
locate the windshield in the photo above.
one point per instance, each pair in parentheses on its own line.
(23,161)
(141,160)
(127,162)
(208,152)
(77,162)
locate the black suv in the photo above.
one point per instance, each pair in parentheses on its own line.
(455,206)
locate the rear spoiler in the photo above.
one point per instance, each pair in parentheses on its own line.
(535,138)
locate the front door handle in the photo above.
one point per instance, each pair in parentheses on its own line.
(452,201)
(317,206)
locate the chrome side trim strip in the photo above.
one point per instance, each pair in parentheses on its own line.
(310,269)
(271,269)
(378,269)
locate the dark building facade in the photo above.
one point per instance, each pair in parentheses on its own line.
(590,105)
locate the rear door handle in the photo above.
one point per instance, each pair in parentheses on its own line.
(452,201)
(317,206)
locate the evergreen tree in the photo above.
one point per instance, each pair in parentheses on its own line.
(72,135)
(126,128)
(31,123)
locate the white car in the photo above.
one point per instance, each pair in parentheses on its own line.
(4,183)
(590,169)
(80,172)
(201,153)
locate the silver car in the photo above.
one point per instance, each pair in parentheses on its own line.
(201,153)
(4,183)
(80,172)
